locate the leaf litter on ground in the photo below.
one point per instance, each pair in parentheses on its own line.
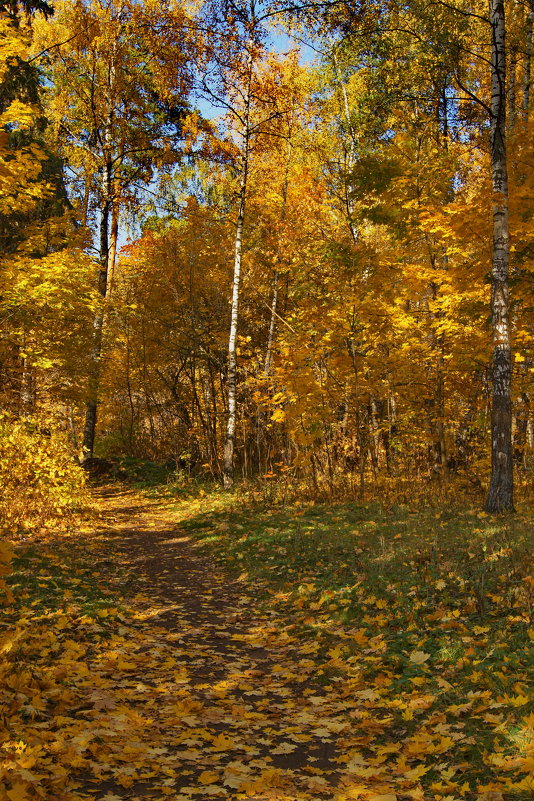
(203,649)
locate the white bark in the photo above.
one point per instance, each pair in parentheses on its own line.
(272,325)
(231,382)
(276,275)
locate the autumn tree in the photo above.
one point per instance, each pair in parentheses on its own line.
(235,79)
(501,490)
(339,213)
(163,381)
(118,106)
(444,45)
(44,274)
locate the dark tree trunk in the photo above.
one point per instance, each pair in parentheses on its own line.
(107,252)
(501,490)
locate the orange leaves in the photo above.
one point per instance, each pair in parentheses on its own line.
(194,690)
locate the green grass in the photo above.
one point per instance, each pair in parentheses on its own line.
(335,546)
(453,585)
(386,570)
(48,583)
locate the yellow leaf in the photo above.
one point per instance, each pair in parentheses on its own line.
(222,743)
(208,777)
(419,657)
(17,792)
(122,664)
(213,789)
(513,700)
(284,748)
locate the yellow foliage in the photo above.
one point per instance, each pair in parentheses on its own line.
(41,483)
(20,168)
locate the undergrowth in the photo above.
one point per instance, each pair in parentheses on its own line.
(42,484)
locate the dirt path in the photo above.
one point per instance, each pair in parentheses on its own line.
(205,696)
(134,668)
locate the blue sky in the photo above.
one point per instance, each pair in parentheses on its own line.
(278,42)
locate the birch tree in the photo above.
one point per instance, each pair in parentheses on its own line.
(244,119)
(232,81)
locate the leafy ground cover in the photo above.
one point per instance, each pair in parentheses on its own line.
(426,616)
(203,645)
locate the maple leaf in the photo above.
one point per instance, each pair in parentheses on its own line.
(284,748)
(208,777)
(222,743)
(382,797)
(419,657)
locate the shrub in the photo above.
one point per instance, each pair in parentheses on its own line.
(42,485)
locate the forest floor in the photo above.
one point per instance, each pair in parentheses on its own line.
(207,646)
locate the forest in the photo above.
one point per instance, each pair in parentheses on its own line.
(233,252)
(266,400)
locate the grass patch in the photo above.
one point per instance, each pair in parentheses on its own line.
(54,582)
(431,609)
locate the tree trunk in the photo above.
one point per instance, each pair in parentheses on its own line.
(27,395)
(229,442)
(349,154)
(274,302)
(523,416)
(512,88)
(107,255)
(501,490)
(272,324)
(112,255)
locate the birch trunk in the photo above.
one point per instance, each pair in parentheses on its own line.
(27,388)
(349,154)
(272,324)
(500,494)
(512,89)
(231,383)
(98,323)
(107,253)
